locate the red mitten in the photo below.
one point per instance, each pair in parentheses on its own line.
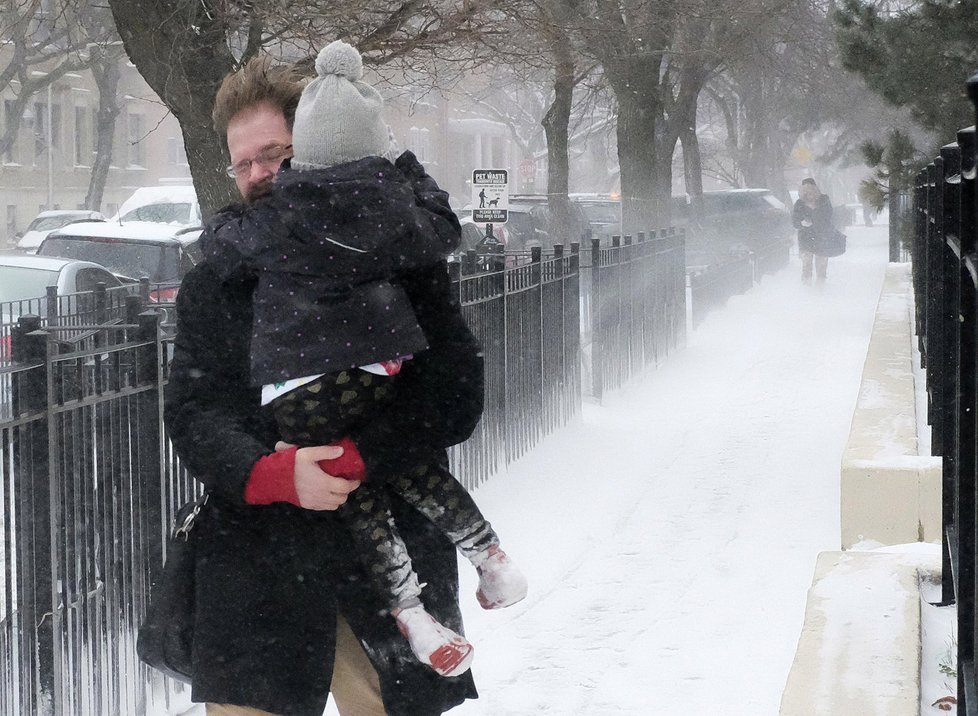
(272,479)
(349,465)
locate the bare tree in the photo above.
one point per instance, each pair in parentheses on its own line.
(657,56)
(43,42)
(183,49)
(787,82)
(105,68)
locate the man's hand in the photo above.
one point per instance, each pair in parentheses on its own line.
(318,490)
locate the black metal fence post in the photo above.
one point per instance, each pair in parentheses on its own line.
(35,583)
(537,359)
(572,320)
(919,254)
(597,336)
(937,350)
(147,453)
(967,426)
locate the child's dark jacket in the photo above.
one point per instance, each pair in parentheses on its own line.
(325,245)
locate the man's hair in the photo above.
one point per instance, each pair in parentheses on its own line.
(259,81)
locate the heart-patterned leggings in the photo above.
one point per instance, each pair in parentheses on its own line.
(335,405)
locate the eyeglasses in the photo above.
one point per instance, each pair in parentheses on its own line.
(268,155)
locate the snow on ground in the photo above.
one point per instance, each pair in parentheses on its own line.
(670,533)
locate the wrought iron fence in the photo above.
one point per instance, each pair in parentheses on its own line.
(710,287)
(90,482)
(633,306)
(945,281)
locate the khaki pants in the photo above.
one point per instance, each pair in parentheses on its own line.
(355,687)
(821,266)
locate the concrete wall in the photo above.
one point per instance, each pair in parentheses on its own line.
(859,650)
(890,494)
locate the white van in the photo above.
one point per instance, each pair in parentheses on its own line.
(161,204)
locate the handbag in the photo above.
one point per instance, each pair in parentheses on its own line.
(833,244)
(165,638)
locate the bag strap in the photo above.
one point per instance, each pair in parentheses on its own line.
(184,528)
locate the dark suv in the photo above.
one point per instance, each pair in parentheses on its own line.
(603,213)
(731,222)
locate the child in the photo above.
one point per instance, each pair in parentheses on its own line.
(332,329)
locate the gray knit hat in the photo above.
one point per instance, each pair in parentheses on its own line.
(338,118)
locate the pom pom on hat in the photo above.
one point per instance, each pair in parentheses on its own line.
(340,58)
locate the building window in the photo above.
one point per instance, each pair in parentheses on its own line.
(11,221)
(81,136)
(40,129)
(135,140)
(9,117)
(175,153)
(42,132)
(94,133)
(55,125)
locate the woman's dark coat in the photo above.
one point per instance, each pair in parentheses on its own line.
(269,577)
(821,228)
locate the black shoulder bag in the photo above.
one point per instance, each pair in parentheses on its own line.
(165,638)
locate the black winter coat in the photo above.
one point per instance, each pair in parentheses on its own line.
(821,218)
(324,244)
(270,578)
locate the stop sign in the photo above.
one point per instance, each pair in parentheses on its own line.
(528,168)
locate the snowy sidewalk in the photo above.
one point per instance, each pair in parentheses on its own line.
(671,533)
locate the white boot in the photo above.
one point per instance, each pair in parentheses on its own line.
(434,644)
(501,583)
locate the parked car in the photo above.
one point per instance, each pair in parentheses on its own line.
(27,277)
(162,204)
(47,221)
(161,252)
(24,281)
(732,222)
(603,213)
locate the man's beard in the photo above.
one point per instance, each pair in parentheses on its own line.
(257,191)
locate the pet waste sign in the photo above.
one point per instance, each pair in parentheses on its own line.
(490,196)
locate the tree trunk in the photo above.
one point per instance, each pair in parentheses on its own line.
(635,82)
(556,126)
(106,72)
(683,121)
(693,168)
(184,57)
(637,160)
